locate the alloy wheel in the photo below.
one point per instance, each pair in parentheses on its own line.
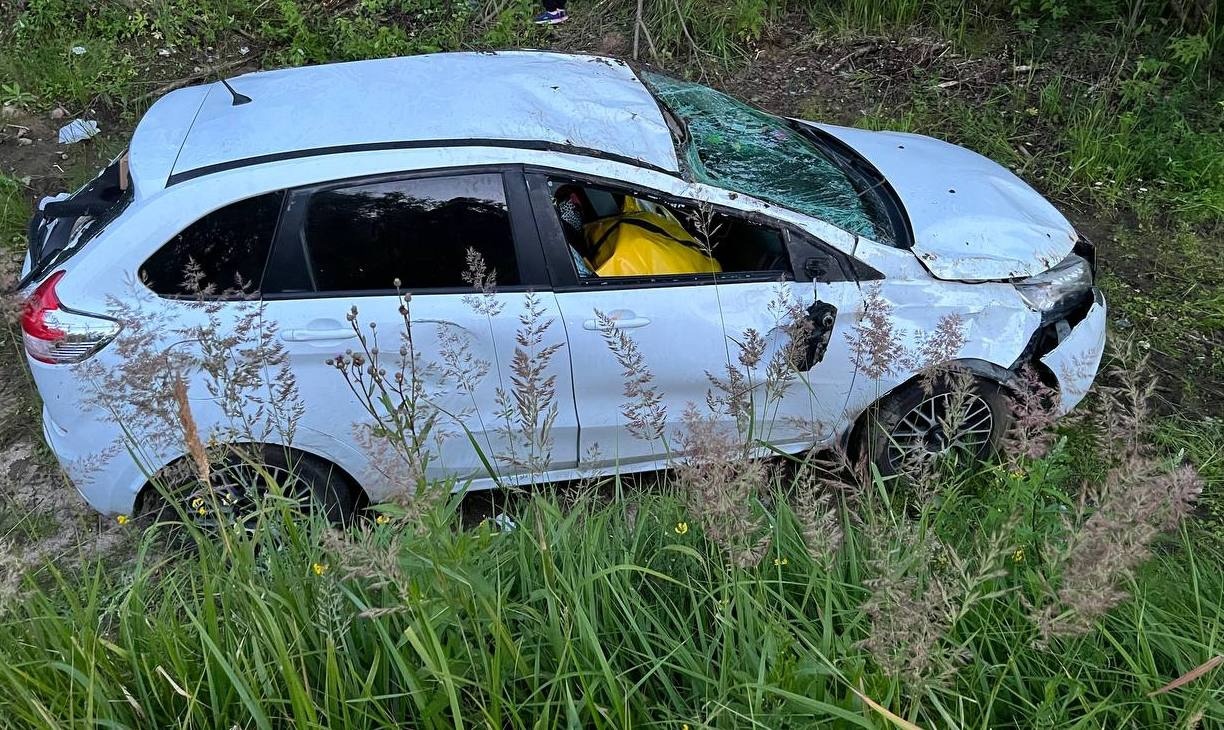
(940,424)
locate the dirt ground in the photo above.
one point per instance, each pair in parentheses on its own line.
(44,517)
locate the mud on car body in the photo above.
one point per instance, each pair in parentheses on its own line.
(316,190)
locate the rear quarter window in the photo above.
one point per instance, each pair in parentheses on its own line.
(221,254)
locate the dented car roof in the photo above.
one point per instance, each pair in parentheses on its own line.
(586,103)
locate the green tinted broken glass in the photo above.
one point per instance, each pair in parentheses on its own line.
(739,148)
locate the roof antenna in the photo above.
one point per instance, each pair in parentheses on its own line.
(239,99)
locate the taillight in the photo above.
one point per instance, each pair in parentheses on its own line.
(57,335)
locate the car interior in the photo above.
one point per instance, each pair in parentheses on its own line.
(613,233)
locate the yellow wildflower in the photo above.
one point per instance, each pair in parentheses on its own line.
(197,503)
(201,512)
(780,561)
(681,528)
(319,568)
(382,519)
(1018,556)
(122,519)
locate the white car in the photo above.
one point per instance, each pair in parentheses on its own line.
(318,189)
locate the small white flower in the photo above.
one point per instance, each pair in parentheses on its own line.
(78,50)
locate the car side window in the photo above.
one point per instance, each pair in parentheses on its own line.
(222,253)
(616,234)
(418,231)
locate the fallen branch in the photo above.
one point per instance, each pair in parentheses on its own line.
(851,56)
(637,28)
(1190,676)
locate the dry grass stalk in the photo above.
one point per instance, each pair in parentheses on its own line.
(876,344)
(191,434)
(1033,412)
(1138,500)
(920,590)
(643,409)
(1117,521)
(816,510)
(480,277)
(146,392)
(720,485)
(910,606)
(529,407)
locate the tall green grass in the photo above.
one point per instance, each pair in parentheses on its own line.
(603,614)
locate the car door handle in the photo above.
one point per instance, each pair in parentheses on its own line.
(622,319)
(313,335)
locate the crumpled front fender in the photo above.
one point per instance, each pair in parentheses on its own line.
(1075,360)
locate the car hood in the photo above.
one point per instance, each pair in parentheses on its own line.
(973,220)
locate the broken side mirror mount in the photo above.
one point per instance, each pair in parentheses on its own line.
(819,321)
(816,268)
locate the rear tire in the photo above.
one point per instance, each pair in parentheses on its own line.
(912,426)
(240,479)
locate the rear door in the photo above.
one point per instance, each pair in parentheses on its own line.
(732,346)
(406,308)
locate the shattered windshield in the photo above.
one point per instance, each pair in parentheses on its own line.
(737,147)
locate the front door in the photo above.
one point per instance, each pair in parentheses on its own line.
(404,304)
(652,350)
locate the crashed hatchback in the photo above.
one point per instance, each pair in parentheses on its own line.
(532,267)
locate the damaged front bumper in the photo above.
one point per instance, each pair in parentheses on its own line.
(1074,361)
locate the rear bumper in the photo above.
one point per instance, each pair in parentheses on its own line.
(1076,358)
(108,480)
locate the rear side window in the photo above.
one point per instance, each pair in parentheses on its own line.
(223,252)
(419,231)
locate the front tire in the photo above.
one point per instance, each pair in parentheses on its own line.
(914,426)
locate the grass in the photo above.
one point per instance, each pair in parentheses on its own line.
(14,211)
(1159,157)
(1201,441)
(577,617)
(601,612)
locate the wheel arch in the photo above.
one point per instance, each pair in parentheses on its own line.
(1006,377)
(361,498)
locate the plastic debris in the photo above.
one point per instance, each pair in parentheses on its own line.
(77,130)
(78,50)
(504,523)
